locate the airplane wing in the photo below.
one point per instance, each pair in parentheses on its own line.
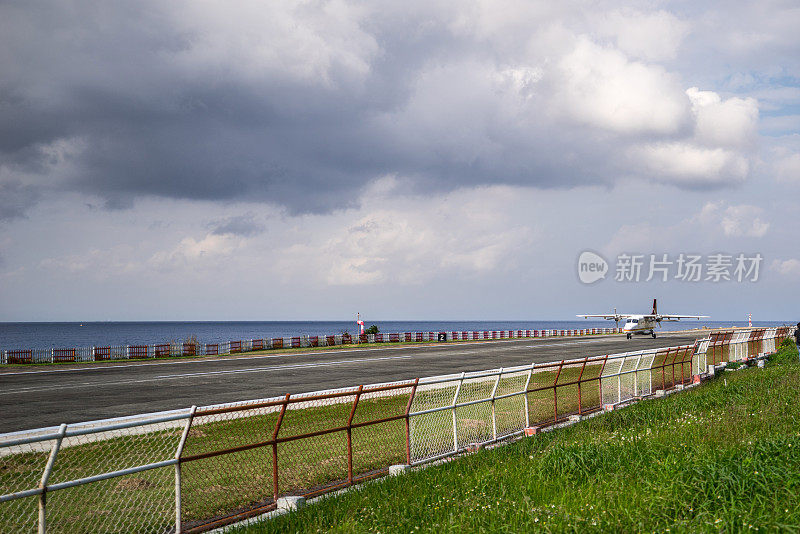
(610,316)
(678,317)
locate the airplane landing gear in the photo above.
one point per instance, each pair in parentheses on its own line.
(654,334)
(629,336)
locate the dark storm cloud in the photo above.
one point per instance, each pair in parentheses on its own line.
(300,107)
(15,199)
(239,225)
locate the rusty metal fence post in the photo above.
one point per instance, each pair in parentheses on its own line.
(555,392)
(675,358)
(275,489)
(350,435)
(580,383)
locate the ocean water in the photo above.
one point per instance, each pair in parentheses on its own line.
(67,335)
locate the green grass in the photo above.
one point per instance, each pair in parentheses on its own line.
(724,457)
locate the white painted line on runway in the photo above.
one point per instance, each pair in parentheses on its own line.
(270,368)
(484,345)
(207,359)
(145,364)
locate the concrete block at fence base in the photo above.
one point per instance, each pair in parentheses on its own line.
(678,387)
(399,469)
(711,370)
(760,363)
(660,393)
(474,447)
(532,431)
(575,418)
(291,503)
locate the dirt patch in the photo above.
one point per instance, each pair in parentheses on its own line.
(473,423)
(196,433)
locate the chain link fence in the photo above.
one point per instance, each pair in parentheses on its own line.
(191,470)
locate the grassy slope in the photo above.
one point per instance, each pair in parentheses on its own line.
(723,457)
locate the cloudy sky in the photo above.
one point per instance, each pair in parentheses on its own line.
(194,160)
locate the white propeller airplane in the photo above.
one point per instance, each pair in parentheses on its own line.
(642,324)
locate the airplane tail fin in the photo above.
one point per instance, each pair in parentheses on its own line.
(655,307)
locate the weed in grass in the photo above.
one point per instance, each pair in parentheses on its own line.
(787,352)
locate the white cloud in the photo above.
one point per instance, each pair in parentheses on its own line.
(395,239)
(412,246)
(521,80)
(787,168)
(723,123)
(652,36)
(790,267)
(97,263)
(703,230)
(322,43)
(192,253)
(685,163)
(604,89)
(716,154)
(736,221)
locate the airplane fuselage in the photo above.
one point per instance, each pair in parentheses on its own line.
(639,324)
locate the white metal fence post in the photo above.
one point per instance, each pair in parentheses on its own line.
(525,393)
(494,416)
(455,421)
(46,475)
(178,453)
(636,376)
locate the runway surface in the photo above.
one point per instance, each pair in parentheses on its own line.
(46,396)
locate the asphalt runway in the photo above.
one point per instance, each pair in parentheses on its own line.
(47,396)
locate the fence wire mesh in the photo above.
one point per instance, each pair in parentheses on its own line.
(140,502)
(21,469)
(222,469)
(432,432)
